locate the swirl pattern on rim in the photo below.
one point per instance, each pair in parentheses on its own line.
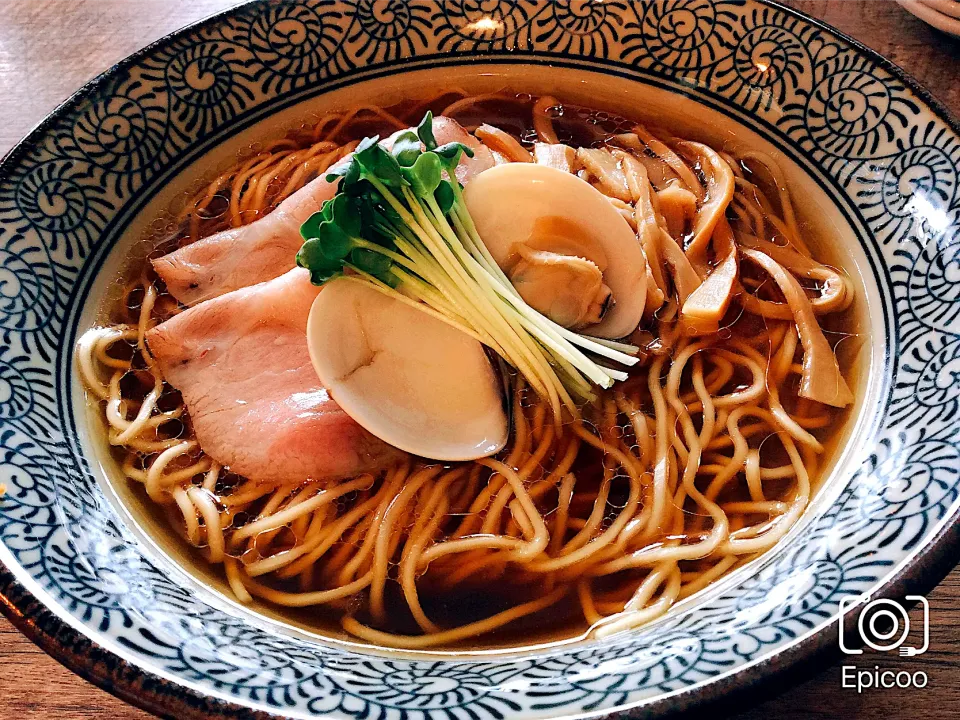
(65,198)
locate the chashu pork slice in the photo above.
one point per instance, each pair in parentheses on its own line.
(256,404)
(238,257)
(266,248)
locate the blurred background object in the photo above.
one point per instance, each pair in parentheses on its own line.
(941,14)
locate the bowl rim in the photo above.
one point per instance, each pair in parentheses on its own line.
(123,679)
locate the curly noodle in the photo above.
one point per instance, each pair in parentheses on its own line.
(699,462)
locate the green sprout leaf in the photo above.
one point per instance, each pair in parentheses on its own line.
(348,171)
(370,261)
(327,209)
(450,155)
(375,162)
(388,170)
(312,257)
(425,132)
(366,146)
(406,148)
(311,227)
(335,244)
(452,150)
(424,176)
(344,211)
(366,155)
(444,196)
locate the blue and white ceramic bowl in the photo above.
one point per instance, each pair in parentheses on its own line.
(876,158)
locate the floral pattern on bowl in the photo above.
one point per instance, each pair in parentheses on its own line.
(76,573)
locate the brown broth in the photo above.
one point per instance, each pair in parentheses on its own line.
(579,127)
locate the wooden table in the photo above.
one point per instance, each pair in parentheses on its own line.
(48,48)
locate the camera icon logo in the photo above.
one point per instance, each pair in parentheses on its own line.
(884,625)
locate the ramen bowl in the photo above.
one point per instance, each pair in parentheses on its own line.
(873,156)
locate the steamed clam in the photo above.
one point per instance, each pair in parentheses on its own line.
(407,377)
(565,248)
